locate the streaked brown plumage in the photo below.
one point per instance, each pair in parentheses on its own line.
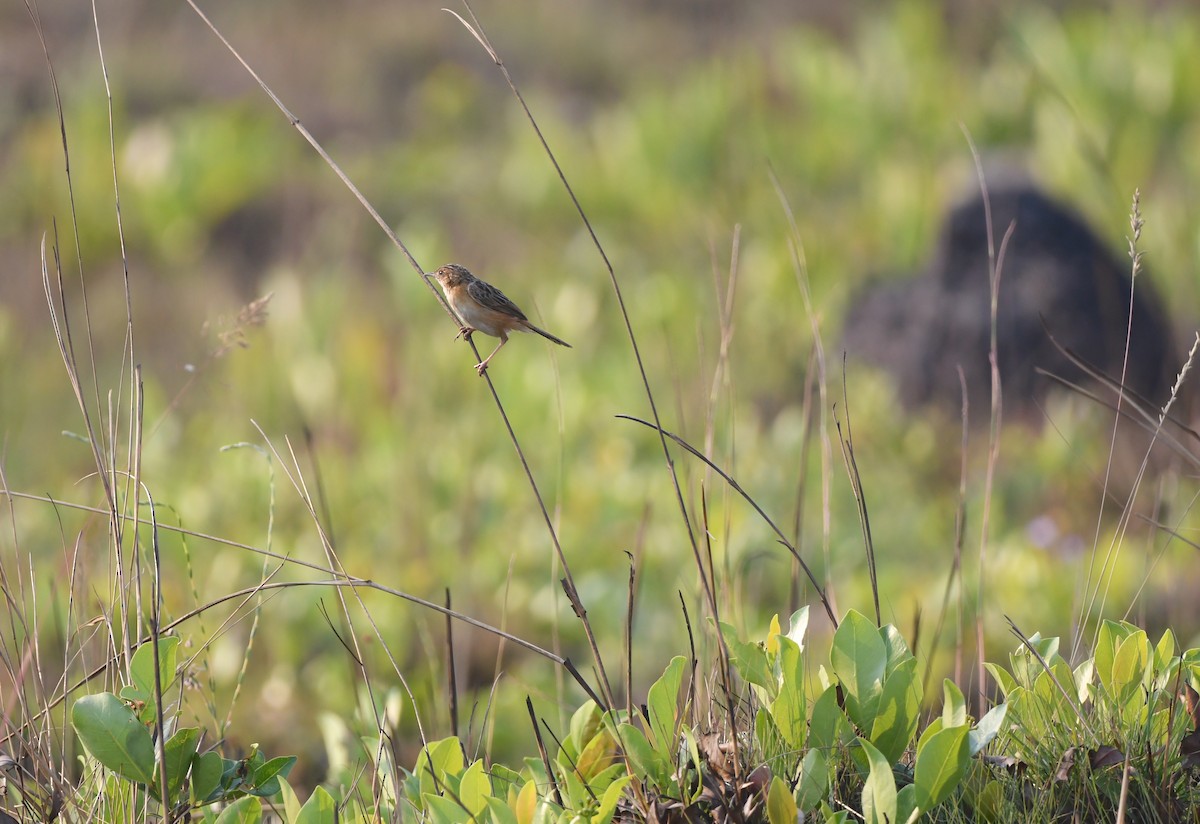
(484,308)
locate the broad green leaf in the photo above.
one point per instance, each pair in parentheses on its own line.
(954,706)
(907,810)
(526,805)
(941,766)
(1084,674)
(206,776)
(1164,651)
(829,729)
(585,723)
(662,702)
(141,666)
(798,626)
(1111,633)
(442,810)
(932,728)
(790,709)
(266,775)
(647,764)
(879,790)
(830,817)
(750,661)
(443,757)
(246,810)
(1129,668)
(501,813)
(291,802)
(859,658)
(180,750)
(1002,678)
(610,799)
(896,647)
(321,808)
(114,736)
(474,788)
(781,807)
(987,728)
(574,793)
(813,781)
(598,755)
(1025,667)
(898,712)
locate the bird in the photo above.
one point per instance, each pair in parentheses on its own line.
(482,307)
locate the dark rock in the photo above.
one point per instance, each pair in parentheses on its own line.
(1057,279)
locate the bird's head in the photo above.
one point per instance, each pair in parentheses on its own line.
(452,275)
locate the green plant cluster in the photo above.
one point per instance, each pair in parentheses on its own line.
(851,744)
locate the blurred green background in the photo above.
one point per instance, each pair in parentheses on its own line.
(668,119)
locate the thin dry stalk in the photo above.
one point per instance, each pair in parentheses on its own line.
(729,479)
(995,266)
(569,585)
(477,31)
(860,496)
(800,268)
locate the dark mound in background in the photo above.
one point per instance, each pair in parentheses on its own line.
(1057,279)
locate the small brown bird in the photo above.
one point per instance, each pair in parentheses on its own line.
(483,308)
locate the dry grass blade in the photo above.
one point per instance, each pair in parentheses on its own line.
(729,479)
(476,30)
(860,496)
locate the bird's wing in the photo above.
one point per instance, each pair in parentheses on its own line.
(492,298)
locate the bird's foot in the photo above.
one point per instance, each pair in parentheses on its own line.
(481,367)
(465,333)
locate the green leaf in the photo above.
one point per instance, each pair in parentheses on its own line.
(813,781)
(859,658)
(1002,677)
(1111,633)
(941,766)
(879,790)
(114,736)
(1164,651)
(585,723)
(319,809)
(1129,668)
(648,765)
(987,728)
(291,803)
(907,810)
(246,810)
(440,810)
(781,807)
(474,788)
(789,709)
(750,661)
(610,799)
(444,757)
(501,813)
(899,711)
(798,626)
(896,647)
(830,729)
(141,667)
(180,750)
(662,703)
(598,755)
(954,706)
(266,776)
(206,776)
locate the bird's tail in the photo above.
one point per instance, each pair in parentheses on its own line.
(547,335)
